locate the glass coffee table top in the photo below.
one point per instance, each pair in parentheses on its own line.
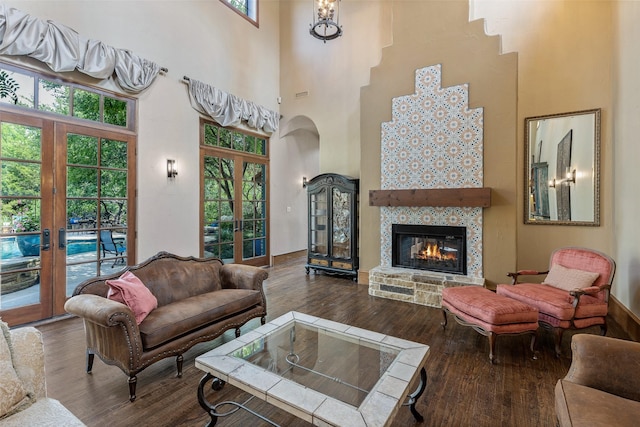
(321,371)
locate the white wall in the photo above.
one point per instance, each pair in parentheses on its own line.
(202,40)
(294,156)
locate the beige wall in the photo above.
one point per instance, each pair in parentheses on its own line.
(437,32)
(626,153)
(565,63)
(332,74)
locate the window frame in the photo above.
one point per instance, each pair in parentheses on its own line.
(38,75)
(253,11)
(237,156)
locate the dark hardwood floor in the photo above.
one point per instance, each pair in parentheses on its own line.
(463,388)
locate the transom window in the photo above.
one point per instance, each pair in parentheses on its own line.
(48,94)
(247,8)
(216,136)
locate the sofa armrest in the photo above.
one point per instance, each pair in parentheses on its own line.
(100,310)
(607,364)
(28,357)
(240,276)
(110,328)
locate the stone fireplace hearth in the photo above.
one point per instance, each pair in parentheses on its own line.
(433,141)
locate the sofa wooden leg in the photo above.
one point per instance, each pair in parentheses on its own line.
(179,360)
(263,320)
(132,387)
(90,357)
(444,316)
(237,332)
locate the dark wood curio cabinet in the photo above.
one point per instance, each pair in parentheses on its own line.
(333,224)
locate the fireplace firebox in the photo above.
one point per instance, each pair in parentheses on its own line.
(429,247)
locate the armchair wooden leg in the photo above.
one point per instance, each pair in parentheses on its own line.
(444,316)
(90,357)
(179,360)
(557,337)
(237,332)
(603,328)
(133,380)
(492,347)
(534,338)
(263,320)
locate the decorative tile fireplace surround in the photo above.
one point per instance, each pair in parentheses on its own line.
(433,141)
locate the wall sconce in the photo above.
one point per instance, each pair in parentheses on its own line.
(304,182)
(172,169)
(570,178)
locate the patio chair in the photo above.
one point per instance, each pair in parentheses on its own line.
(111,246)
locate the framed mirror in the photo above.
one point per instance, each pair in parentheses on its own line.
(562,169)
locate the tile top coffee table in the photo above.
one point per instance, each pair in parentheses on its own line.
(321,371)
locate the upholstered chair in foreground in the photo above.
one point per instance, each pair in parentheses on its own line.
(602,387)
(23,387)
(573,295)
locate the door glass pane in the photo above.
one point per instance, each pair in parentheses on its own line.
(113,154)
(115,111)
(53,97)
(341,233)
(20,201)
(253,208)
(82,150)
(318,222)
(82,214)
(18,88)
(81,258)
(96,207)
(86,105)
(218,205)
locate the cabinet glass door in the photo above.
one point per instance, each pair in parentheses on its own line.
(341,233)
(318,223)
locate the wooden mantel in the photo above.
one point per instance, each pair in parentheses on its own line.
(442,197)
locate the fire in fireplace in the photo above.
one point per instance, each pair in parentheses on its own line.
(429,247)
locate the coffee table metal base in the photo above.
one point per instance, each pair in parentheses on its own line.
(217,384)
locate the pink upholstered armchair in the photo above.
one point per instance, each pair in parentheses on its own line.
(573,295)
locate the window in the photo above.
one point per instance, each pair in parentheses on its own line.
(67,168)
(234,201)
(246,8)
(29,90)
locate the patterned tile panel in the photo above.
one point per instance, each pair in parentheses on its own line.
(433,141)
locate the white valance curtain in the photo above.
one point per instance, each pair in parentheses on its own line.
(230,110)
(63,49)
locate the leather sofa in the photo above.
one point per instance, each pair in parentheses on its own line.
(198,299)
(602,387)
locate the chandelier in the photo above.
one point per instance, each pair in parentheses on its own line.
(324,27)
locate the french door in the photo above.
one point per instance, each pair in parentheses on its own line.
(234,207)
(62,186)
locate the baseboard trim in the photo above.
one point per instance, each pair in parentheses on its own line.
(629,322)
(284,258)
(363,277)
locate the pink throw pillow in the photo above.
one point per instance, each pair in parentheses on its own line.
(569,278)
(129,290)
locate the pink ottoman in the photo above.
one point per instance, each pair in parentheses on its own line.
(489,313)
